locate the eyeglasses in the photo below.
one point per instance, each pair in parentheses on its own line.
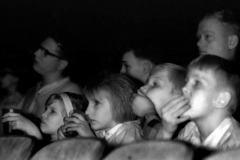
(47,53)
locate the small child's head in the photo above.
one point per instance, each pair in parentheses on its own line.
(218,34)
(164,83)
(137,63)
(110,99)
(212,87)
(58,107)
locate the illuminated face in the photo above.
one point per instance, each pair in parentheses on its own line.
(47,57)
(213,38)
(52,118)
(201,90)
(158,89)
(99,111)
(132,66)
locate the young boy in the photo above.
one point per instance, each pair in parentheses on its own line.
(137,63)
(164,83)
(212,89)
(218,34)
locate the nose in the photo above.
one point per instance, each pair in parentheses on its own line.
(88,110)
(200,42)
(44,115)
(123,69)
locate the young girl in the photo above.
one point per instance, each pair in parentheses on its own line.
(109,112)
(58,107)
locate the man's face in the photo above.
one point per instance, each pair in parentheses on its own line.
(47,57)
(132,66)
(201,90)
(213,38)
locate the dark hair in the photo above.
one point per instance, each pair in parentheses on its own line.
(228,17)
(120,89)
(79,102)
(176,75)
(226,69)
(146,53)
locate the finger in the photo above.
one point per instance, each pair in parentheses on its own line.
(181,111)
(79,116)
(179,108)
(172,103)
(10,114)
(7,119)
(178,103)
(183,119)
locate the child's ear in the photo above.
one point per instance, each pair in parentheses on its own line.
(223,99)
(147,66)
(62,64)
(232,41)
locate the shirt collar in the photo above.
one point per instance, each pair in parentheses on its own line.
(109,133)
(52,85)
(222,132)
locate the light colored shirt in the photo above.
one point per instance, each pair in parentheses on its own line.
(225,136)
(123,133)
(34,101)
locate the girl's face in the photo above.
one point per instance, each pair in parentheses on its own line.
(52,118)
(99,111)
(213,38)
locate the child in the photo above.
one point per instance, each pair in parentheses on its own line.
(164,83)
(212,89)
(218,34)
(137,63)
(109,111)
(57,108)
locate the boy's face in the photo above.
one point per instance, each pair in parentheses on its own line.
(213,38)
(132,66)
(52,118)
(201,90)
(99,111)
(47,63)
(158,89)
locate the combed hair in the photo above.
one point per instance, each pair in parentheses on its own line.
(228,17)
(120,89)
(226,69)
(176,75)
(79,102)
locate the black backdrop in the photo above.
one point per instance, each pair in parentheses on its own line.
(96,30)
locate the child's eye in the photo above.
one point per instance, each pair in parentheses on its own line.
(96,102)
(197,84)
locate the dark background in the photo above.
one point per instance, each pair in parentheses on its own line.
(96,30)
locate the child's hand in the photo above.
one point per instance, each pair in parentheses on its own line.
(171,115)
(17,121)
(77,123)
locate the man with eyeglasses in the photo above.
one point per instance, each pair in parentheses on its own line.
(51,63)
